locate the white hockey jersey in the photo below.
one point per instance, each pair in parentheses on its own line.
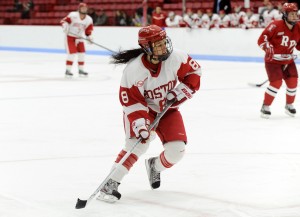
(206,21)
(196,21)
(236,19)
(188,20)
(78,26)
(175,22)
(218,22)
(251,22)
(270,16)
(142,90)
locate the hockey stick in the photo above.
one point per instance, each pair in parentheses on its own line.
(92,42)
(82,203)
(279,57)
(258,85)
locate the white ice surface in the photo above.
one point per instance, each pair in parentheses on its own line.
(59,138)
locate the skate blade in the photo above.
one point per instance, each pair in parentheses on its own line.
(68,76)
(83,76)
(265,116)
(107,198)
(290,114)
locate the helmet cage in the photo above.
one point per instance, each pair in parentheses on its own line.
(148,48)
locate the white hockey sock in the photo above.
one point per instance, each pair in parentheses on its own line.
(81,57)
(119,173)
(81,67)
(69,67)
(172,154)
(158,165)
(70,60)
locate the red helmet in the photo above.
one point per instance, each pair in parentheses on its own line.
(289,7)
(151,34)
(286,8)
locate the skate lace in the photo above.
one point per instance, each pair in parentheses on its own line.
(111,186)
(155,176)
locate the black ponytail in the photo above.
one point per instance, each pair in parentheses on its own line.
(125,56)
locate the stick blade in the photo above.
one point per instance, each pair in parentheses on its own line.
(254,85)
(80,204)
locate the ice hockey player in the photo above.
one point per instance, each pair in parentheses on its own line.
(280,38)
(270,14)
(154,73)
(249,20)
(76,26)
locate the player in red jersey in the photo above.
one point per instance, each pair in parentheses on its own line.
(76,26)
(150,77)
(278,40)
(159,17)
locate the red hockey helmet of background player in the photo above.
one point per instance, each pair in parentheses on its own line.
(82,5)
(149,35)
(286,8)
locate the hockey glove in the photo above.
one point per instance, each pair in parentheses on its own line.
(268,48)
(65,27)
(140,129)
(180,93)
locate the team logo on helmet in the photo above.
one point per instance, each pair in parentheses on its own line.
(151,34)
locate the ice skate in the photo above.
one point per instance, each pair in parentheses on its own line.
(153,175)
(83,73)
(290,110)
(265,112)
(109,193)
(68,74)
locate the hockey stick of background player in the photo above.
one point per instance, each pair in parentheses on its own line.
(99,45)
(82,203)
(258,85)
(280,57)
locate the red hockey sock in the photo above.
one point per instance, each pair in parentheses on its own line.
(271,92)
(291,89)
